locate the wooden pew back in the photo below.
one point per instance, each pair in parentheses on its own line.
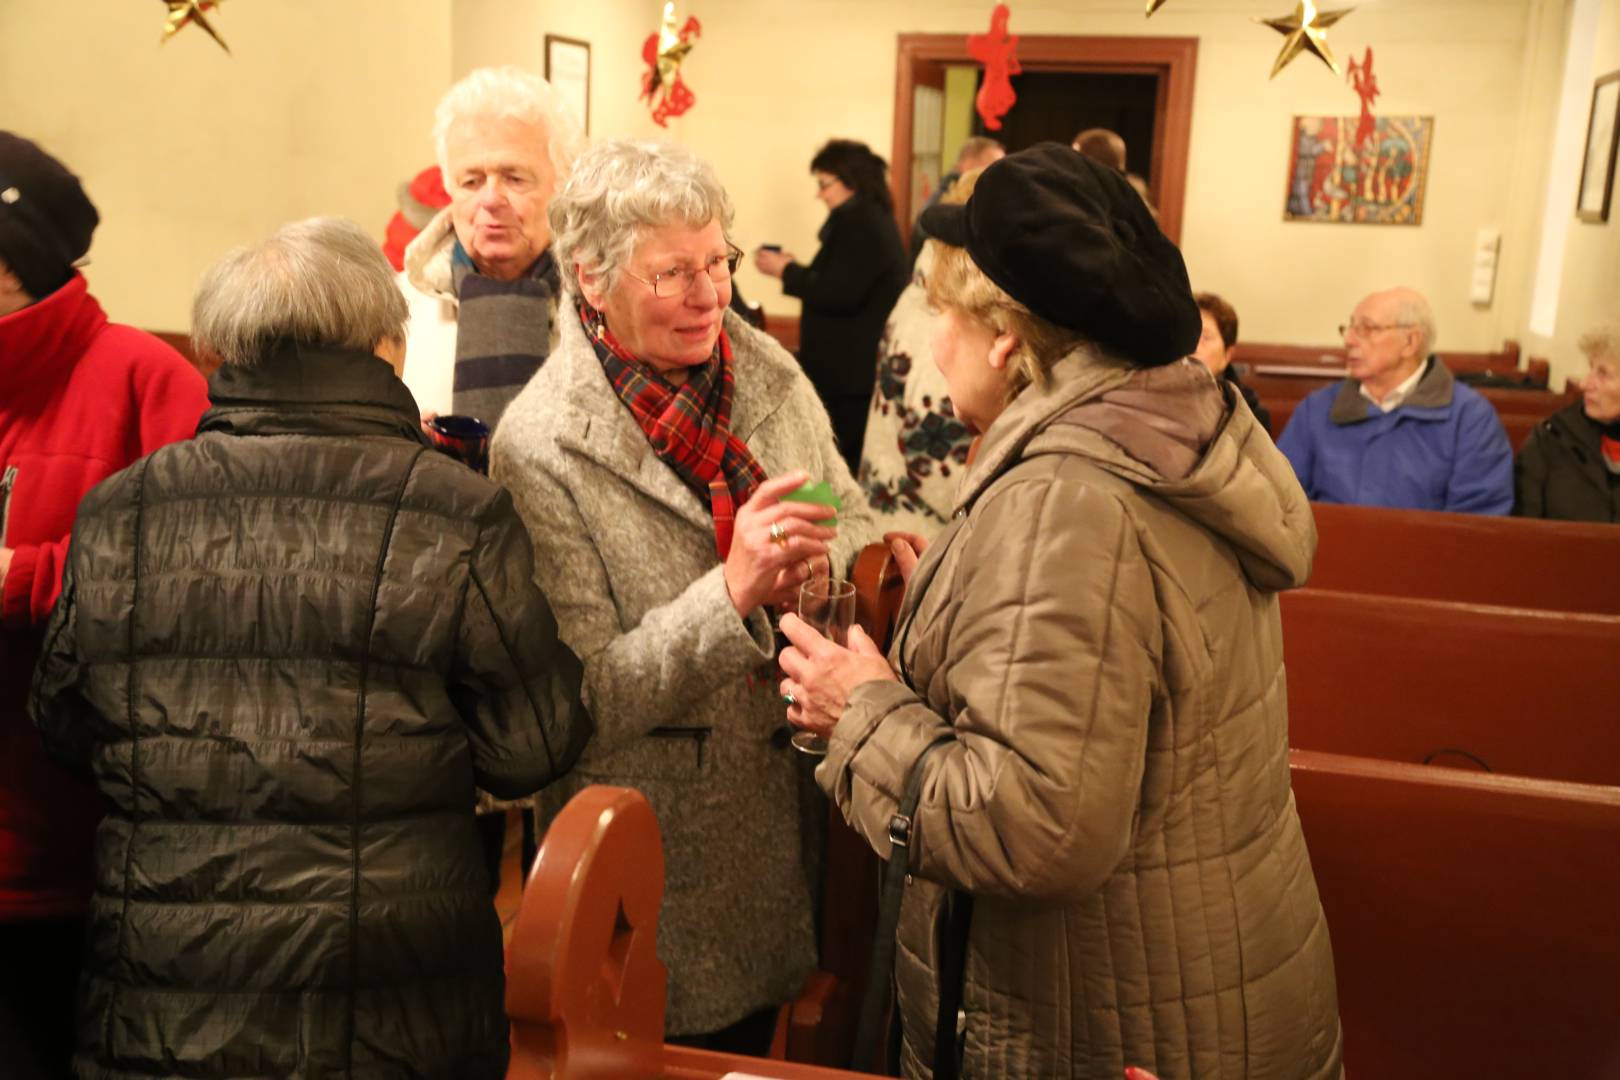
(584,987)
(1527,693)
(1472,918)
(1471,558)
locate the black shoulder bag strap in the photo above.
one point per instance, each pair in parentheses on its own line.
(869,1034)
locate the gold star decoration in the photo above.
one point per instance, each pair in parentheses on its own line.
(1306,31)
(1152,6)
(184,12)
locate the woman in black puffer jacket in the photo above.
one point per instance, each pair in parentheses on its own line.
(286,651)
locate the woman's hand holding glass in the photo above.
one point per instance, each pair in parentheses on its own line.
(775,545)
(820,674)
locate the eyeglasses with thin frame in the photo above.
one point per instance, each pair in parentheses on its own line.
(825,182)
(1368,329)
(678,280)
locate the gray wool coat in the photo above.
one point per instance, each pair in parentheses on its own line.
(682,690)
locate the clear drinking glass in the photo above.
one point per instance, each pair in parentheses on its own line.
(828,604)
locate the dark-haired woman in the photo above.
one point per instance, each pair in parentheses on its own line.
(849,287)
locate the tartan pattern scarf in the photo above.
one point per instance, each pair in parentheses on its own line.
(688,426)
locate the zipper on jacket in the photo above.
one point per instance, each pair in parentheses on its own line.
(698,735)
(7,482)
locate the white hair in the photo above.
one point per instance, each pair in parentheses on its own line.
(322,281)
(619,189)
(1411,308)
(1600,341)
(521,95)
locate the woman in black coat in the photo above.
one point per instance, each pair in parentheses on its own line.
(1569,467)
(850,286)
(286,650)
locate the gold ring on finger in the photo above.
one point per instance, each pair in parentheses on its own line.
(779,535)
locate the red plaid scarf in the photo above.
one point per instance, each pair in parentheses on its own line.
(689,426)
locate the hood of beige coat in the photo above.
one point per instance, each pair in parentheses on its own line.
(1176,433)
(427,258)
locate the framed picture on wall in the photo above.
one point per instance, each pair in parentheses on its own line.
(1602,133)
(1358,173)
(568,70)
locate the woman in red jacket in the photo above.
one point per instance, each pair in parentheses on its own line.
(80,398)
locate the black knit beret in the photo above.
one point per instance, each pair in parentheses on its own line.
(1072,241)
(46,220)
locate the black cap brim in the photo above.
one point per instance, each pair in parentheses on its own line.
(947,223)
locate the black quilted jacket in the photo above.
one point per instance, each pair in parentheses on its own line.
(286,651)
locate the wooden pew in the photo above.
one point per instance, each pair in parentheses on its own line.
(1473,918)
(585,989)
(1472,558)
(1522,692)
(1253,355)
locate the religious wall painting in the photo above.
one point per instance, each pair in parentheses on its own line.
(1602,142)
(1378,180)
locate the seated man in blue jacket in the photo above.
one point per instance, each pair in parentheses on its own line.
(1400,431)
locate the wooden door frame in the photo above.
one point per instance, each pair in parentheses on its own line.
(1173,59)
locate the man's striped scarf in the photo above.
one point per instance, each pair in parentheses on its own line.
(503,333)
(688,426)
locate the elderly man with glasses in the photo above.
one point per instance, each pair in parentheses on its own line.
(1399,431)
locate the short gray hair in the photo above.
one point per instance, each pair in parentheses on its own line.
(322,281)
(1411,308)
(1600,341)
(619,189)
(513,92)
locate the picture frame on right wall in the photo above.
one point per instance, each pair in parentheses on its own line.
(1602,139)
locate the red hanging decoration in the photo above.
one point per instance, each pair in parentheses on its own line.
(661,84)
(1366,87)
(995,50)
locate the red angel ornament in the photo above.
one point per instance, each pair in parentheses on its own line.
(1366,87)
(995,51)
(661,84)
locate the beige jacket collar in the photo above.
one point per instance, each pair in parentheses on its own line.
(427,258)
(1079,376)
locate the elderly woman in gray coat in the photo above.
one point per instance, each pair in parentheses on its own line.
(650,457)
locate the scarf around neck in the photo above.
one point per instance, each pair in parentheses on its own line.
(688,426)
(503,333)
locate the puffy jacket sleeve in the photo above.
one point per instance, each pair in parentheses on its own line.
(1482,481)
(513,679)
(60,711)
(1050,672)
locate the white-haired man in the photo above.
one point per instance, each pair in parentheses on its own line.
(479,278)
(1400,431)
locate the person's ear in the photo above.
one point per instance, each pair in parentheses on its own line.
(1001,350)
(590,286)
(392,351)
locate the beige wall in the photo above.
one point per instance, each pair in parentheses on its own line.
(488,33)
(1290,282)
(326,108)
(188,152)
(1591,264)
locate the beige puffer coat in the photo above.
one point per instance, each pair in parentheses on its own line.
(1100,627)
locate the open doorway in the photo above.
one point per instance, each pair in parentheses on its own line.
(1139,87)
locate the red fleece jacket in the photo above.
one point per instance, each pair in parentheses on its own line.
(80,399)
